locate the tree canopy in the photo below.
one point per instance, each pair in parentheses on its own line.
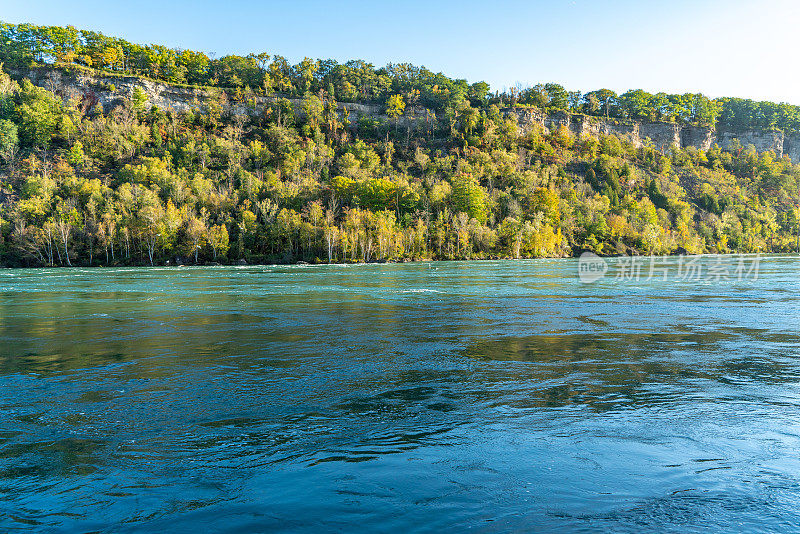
(23,45)
(138,185)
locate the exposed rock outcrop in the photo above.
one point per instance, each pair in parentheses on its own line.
(663,135)
(90,89)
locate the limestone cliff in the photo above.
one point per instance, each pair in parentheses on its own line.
(663,135)
(90,89)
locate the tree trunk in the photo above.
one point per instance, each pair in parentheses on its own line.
(66,253)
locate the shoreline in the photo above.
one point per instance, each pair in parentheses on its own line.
(384,262)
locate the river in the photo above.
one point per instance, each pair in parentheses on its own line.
(494,396)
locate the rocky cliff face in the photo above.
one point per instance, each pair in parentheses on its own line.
(90,89)
(663,135)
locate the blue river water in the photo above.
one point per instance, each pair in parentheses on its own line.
(492,396)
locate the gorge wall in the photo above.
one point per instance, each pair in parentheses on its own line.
(663,135)
(90,89)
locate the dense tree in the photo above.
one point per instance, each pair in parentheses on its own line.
(298,181)
(25,44)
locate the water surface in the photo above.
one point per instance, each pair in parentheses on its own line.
(430,397)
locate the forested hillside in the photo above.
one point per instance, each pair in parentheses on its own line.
(298,181)
(359,81)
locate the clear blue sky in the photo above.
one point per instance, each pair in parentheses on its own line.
(720,48)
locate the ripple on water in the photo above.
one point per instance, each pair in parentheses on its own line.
(498,396)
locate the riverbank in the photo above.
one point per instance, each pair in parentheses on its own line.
(243,263)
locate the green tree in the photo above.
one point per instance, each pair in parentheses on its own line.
(395,107)
(218,239)
(38,116)
(196,232)
(469,197)
(9,140)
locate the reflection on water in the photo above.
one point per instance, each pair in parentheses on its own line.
(629,371)
(488,395)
